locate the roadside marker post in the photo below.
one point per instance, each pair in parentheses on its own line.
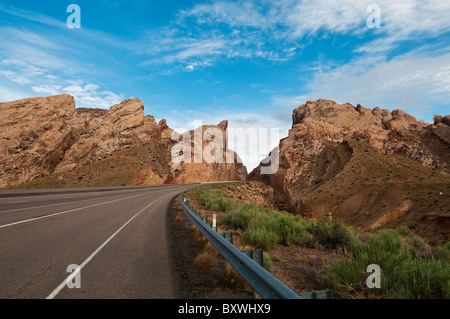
(214,225)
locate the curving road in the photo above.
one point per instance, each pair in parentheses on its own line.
(118,238)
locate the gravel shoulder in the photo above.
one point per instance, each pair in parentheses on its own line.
(197,282)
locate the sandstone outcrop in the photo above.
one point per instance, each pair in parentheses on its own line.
(393,132)
(46,139)
(371,167)
(209,159)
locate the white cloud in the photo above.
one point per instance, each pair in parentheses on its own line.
(33,64)
(307,17)
(88,96)
(240,14)
(85,95)
(170,47)
(47,90)
(256,28)
(12,93)
(34,81)
(411,82)
(32,16)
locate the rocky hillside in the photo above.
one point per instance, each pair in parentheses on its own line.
(372,168)
(47,142)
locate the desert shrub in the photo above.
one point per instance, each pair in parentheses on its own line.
(420,278)
(442,252)
(268,229)
(239,216)
(403,274)
(331,235)
(419,248)
(260,237)
(290,229)
(385,247)
(213,200)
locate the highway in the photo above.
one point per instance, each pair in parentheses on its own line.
(118,239)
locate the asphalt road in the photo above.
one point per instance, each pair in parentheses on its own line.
(117,238)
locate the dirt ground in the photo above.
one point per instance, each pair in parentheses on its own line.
(300,268)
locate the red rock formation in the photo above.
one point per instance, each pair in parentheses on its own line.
(49,137)
(316,150)
(222,166)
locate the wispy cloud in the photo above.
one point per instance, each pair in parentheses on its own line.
(32,16)
(263,28)
(46,61)
(22,79)
(412,82)
(298,18)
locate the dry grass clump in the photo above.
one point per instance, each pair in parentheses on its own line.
(179,218)
(205,260)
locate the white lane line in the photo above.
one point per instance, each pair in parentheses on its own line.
(57,204)
(49,205)
(71,210)
(75,209)
(72,275)
(65,212)
(23,201)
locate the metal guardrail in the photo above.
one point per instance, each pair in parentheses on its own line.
(263,282)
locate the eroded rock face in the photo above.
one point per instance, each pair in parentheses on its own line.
(393,132)
(207,157)
(49,136)
(316,149)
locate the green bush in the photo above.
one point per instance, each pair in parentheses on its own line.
(290,229)
(331,235)
(260,237)
(266,229)
(238,217)
(444,252)
(214,201)
(403,275)
(420,278)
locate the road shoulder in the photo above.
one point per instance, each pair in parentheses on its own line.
(196,282)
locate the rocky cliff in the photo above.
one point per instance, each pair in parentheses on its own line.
(47,142)
(208,158)
(372,168)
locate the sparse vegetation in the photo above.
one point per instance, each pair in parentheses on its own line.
(265,228)
(410,267)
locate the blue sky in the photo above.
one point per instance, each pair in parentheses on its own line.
(251,62)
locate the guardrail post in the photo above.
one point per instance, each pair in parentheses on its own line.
(228,236)
(320,294)
(257,255)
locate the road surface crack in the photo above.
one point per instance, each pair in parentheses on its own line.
(33,279)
